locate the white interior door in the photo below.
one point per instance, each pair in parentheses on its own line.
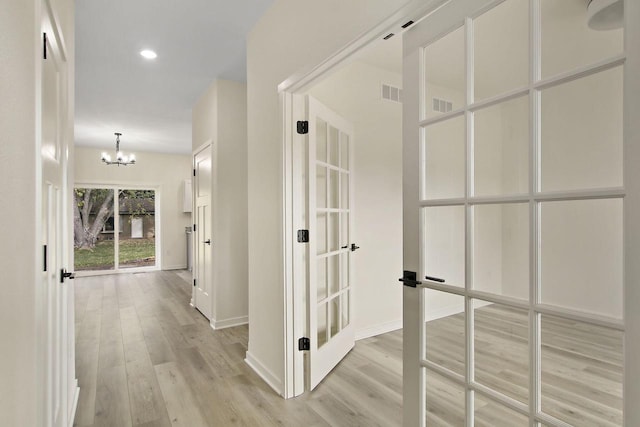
(330,207)
(513,216)
(203,233)
(53,289)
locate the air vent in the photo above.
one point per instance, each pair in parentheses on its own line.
(391,93)
(442,106)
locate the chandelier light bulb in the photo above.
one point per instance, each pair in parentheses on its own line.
(121,159)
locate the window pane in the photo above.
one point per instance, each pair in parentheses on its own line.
(444,74)
(445,401)
(334,308)
(321,187)
(501,249)
(444,159)
(567,40)
(333,146)
(344,270)
(321,233)
(501,149)
(444,243)
(334,232)
(321,140)
(582,133)
(334,273)
(489,413)
(581,255)
(137,235)
(322,324)
(334,189)
(501,349)
(445,330)
(321,278)
(94,252)
(501,63)
(581,372)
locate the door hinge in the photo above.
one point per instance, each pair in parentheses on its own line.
(194,283)
(44,45)
(304,343)
(44,254)
(194,227)
(303,236)
(194,172)
(302,127)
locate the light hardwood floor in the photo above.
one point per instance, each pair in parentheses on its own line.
(145,358)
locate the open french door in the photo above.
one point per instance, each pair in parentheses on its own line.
(330,207)
(515,196)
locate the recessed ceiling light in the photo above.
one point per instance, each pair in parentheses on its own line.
(149,54)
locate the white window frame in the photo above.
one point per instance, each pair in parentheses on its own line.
(117,226)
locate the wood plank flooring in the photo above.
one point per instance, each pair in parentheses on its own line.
(144,357)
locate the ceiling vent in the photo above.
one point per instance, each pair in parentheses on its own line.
(391,93)
(442,106)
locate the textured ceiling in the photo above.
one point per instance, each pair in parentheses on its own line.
(150,101)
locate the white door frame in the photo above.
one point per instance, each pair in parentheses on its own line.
(413,316)
(115,186)
(292,109)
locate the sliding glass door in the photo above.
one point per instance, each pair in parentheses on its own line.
(114,228)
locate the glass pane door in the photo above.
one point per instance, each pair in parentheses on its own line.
(94,229)
(137,233)
(521,205)
(110,236)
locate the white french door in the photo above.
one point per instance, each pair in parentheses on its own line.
(54,287)
(330,208)
(513,217)
(203,190)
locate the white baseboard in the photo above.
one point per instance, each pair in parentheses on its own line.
(264,373)
(379,329)
(74,407)
(229,323)
(174,267)
(450,310)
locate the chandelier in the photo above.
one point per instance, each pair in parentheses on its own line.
(121,159)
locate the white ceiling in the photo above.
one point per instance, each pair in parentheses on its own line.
(150,101)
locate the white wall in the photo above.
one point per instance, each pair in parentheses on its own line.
(21,359)
(168,171)
(220,115)
(354,92)
(291,35)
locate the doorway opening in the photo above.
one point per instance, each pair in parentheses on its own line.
(115,229)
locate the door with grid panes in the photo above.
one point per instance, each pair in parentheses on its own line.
(330,207)
(513,216)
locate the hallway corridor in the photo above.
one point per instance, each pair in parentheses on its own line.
(146,358)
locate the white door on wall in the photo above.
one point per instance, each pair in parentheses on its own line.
(203,232)
(513,216)
(53,290)
(330,207)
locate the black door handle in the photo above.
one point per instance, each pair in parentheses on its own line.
(344,247)
(64,274)
(208,241)
(354,247)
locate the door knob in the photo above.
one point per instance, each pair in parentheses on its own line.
(64,274)
(208,241)
(354,247)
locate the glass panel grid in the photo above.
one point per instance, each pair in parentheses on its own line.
(532,195)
